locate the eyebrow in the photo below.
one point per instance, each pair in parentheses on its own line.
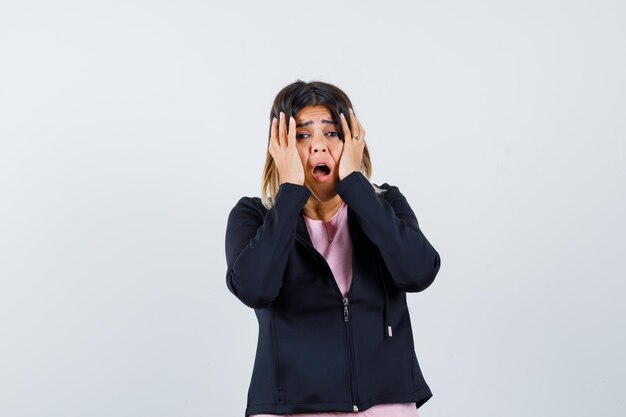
(328,122)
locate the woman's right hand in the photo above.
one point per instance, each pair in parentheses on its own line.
(283,149)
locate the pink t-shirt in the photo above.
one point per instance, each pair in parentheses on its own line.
(333,241)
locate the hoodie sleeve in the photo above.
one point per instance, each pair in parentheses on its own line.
(257,248)
(390,223)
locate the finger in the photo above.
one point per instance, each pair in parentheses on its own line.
(272,152)
(354,124)
(273,127)
(346,130)
(347,141)
(291,136)
(282,131)
(271,149)
(361,130)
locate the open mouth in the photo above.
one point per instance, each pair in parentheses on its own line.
(321,169)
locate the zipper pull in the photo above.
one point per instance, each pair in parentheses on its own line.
(355,408)
(345,309)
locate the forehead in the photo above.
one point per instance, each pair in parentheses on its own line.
(313,113)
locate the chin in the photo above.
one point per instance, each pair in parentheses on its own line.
(328,185)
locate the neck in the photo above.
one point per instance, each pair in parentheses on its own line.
(322,210)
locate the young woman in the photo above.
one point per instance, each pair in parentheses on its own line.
(325,258)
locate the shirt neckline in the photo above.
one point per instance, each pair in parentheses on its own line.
(329,220)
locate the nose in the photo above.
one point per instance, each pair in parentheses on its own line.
(318,144)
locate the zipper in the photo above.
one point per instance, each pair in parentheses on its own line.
(346,317)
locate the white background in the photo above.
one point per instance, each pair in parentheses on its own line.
(129,129)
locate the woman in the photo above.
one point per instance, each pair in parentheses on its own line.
(326,261)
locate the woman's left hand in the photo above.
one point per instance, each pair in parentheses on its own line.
(352,153)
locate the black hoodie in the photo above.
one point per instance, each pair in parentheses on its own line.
(318,351)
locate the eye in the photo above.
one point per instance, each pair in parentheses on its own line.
(333,134)
(302,136)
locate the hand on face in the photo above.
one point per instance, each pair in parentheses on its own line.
(352,153)
(283,149)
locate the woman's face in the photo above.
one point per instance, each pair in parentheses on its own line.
(318,142)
